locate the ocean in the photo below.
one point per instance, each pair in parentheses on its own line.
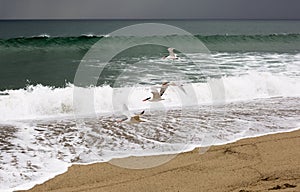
(246,84)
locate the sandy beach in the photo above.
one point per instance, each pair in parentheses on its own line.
(266,163)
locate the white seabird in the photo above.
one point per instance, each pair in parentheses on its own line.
(171,55)
(156,96)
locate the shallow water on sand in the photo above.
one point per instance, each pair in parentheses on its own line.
(34,150)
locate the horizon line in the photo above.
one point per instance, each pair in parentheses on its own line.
(137,19)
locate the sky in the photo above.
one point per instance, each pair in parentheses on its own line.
(149,9)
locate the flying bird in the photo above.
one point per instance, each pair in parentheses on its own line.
(156,96)
(171,55)
(131,118)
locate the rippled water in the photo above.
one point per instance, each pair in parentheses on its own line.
(29,148)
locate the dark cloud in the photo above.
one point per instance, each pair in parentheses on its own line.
(157,9)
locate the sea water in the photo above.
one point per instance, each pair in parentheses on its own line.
(247,86)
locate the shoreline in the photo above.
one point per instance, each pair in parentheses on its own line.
(260,163)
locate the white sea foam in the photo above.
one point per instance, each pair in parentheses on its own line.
(46,154)
(39,101)
(41,149)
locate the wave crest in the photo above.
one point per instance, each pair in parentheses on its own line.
(42,101)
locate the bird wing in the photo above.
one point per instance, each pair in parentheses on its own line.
(123,119)
(171,52)
(180,86)
(182,89)
(125,111)
(163,88)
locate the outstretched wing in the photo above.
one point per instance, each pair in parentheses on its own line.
(142,113)
(171,52)
(125,108)
(182,89)
(125,111)
(163,88)
(123,119)
(180,86)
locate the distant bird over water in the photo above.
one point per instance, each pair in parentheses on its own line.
(171,55)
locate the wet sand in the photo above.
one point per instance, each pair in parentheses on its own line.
(266,163)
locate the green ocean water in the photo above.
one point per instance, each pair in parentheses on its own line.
(49,52)
(245,85)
